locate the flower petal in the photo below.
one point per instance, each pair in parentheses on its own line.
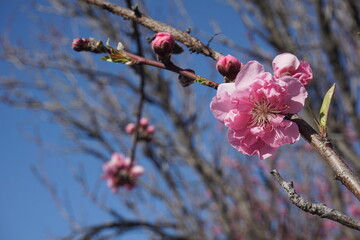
(258,146)
(285,133)
(304,73)
(222,103)
(137,170)
(247,74)
(296,96)
(285,63)
(236,120)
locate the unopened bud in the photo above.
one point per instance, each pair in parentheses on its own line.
(88,45)
(163,44)
(130,128)
(80,44)
(143,122)
(284,64)
(287,64)
(150,129)
(228,66)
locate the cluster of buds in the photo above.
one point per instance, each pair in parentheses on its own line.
(229,67)
(163,45)
(88,45)
(121,172)
(145,130)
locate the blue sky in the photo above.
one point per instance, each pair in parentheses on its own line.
(27,210)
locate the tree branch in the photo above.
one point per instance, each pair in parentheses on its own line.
(315,209)
(194,44)
(89,232)
(342,171)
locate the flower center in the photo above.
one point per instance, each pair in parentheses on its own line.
(261,112)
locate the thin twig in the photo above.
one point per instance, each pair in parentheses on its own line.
(171,67)
(140,107)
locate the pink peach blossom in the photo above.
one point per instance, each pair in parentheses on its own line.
(119,172)
(287,64)
(254,109)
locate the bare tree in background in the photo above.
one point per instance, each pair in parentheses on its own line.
(196,186)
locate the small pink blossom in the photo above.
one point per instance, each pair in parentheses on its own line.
(163,44)
(287,64)
(119,172)
(150,129)
(228,66)
(254,109)
(130,128)
(143,128)
(143,122)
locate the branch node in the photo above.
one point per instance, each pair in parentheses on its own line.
(136,10)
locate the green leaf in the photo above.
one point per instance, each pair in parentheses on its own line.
(111,59)
(324,110)
(120,59)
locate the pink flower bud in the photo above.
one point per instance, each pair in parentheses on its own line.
(287,64)
(144,122)
(163,44)
(228,66)
(89,45)
(150,129)
(80,44)
(130,128)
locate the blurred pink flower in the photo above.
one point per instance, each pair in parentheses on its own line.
(130,128)
(144,122)
(254,108)
(287,64)
(217,230)
(354,209)
(329,225)
(119,172)
(163,44)
(150,129)
(145,131)
(228,66)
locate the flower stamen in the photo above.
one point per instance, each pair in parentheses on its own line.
(261,112)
